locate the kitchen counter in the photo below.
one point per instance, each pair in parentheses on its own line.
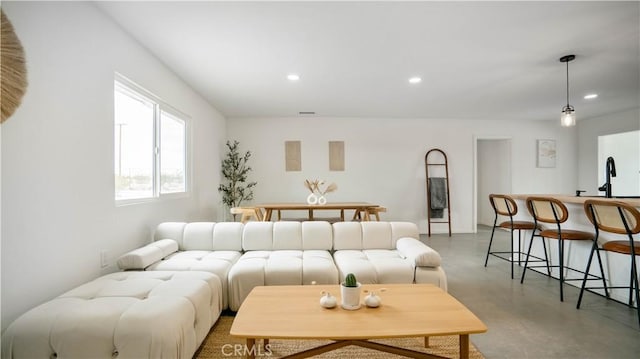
(578,200)
(617,266)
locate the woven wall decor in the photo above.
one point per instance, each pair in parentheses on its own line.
(13,69)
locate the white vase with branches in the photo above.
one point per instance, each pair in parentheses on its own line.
(314,187)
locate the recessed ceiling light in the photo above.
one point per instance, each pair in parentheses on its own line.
(415,80)
(293,77)
(591,96)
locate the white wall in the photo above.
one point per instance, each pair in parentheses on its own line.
(385,160)
(58,208)
(588,132)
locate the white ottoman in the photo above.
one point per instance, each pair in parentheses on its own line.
(121,315)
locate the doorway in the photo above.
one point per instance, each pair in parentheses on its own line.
(493,175)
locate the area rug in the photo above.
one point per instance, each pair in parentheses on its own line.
(219,344)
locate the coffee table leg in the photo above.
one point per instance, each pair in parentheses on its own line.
(464,346)
(251,348)
(426,342)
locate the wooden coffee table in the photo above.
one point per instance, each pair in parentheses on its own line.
(407,310)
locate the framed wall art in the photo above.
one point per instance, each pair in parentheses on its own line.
(292,156)
(546,153)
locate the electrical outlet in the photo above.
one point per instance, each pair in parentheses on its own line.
(104,259)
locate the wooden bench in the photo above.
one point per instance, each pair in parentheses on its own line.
(372,211)
(248,213)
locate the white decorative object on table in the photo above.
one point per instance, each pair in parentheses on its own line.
(328,301)
(312,198)
(317,195)
(330,188)
(372,300)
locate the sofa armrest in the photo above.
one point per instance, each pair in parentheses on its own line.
(422,255)
(143,257)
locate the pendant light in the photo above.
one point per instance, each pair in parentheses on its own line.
(568,117)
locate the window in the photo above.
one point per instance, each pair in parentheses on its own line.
(150,145)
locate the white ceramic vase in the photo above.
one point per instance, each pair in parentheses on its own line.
(328,301)
(312,198)
(350,297)
(372,300)
(322,201)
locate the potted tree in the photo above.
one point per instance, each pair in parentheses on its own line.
(350,292)
(235,169)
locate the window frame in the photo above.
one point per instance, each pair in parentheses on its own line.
(126,86)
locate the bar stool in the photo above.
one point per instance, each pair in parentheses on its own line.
(618,218)
(504,205)
(552,211)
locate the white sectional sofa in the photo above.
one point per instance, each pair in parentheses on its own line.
(153,314)
(175,288)
(290,253)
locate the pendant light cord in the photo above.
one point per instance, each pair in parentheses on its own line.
(567,83)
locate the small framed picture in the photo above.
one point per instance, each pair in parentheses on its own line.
(546,153)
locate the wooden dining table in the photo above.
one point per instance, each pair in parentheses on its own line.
(358,207)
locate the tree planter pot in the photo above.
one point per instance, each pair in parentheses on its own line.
(350,297)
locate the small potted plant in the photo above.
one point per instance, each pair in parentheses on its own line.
(350,292)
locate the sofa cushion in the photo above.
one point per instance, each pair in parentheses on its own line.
(204,246)
(202,235)
(385,252)
(173,230)
(377,235)
(347,235)
(257,236)
(403,229)
(371,235)
(227,236)
(390,266)
(421,254)
(317,235)
(143,257)
(125,314)
(285,235)
(374,266)
(283,267)
(216,262)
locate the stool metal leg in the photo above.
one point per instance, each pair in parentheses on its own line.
(526,261)
(594,248)
(546,258)
(493,230)
(634,273)
(561,260)
(604,282)
(511,240)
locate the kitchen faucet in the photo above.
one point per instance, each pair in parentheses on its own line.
(610,171)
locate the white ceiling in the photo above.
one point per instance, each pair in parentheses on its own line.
(484,60)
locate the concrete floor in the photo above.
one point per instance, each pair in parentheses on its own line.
(528,320)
